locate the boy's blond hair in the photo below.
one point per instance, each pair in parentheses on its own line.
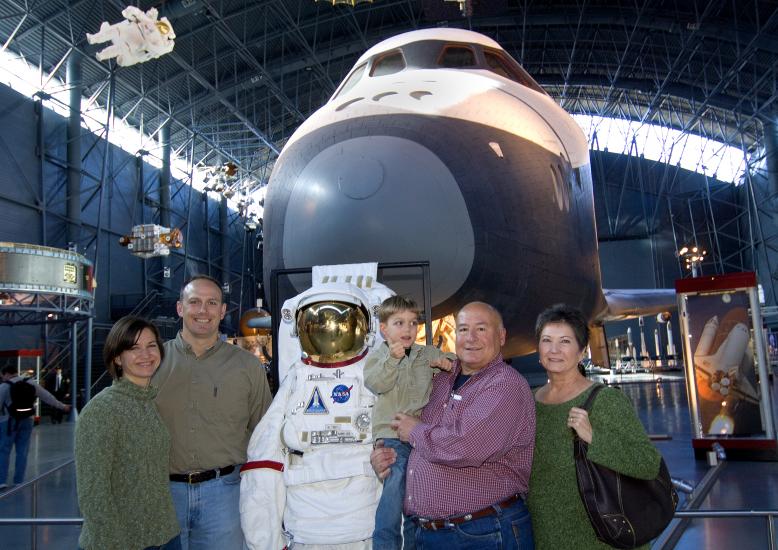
(396,304)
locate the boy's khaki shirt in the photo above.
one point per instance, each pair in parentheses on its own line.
(402,385)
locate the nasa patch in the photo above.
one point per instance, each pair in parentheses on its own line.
(341,393)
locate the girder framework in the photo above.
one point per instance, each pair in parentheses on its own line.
(244,74)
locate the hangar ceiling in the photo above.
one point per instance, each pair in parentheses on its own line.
(245,73)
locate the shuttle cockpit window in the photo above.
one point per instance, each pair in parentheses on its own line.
(503,65)
(352,79)
(454,57)
(389,63)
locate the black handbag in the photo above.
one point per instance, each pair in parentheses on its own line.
(624,511)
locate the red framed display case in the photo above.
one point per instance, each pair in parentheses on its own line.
(726,366)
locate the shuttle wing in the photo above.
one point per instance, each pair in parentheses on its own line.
(631,303)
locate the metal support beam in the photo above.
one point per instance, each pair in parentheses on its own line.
(73,369)
(225,240)
(74,148)
(164,175)
(88,361)
(41,145)
(164,193)
(771,157)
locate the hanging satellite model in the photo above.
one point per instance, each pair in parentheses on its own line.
(140,37)
(149,240)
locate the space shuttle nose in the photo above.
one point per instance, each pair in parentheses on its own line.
(367,194)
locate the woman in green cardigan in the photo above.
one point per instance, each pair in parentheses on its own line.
(613,431)
(122,450)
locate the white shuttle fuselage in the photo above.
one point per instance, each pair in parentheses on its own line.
(438,146)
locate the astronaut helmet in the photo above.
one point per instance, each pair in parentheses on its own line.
(334,329)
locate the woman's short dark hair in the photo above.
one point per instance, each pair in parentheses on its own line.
(124,334)
(569,315)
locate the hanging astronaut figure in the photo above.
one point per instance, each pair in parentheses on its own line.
(308,481)
(137,39)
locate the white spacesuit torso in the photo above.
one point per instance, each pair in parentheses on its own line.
(140,37)
(309,458)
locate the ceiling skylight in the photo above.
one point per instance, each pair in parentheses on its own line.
(689,151)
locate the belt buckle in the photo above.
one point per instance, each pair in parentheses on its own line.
(191,475)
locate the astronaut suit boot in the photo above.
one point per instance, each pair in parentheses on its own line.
(308,482)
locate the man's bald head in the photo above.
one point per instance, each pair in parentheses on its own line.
(488,307)
(480,336)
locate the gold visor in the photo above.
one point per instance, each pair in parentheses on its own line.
(331,331)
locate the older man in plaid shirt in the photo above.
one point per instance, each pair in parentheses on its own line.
(469,468)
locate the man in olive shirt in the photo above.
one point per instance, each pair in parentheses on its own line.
(211,396)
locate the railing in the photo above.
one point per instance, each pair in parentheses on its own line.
(33,520)
(147,301)
(672,534)
(767,514)
(666,541)
(680,515)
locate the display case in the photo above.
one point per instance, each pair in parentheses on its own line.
(726,366)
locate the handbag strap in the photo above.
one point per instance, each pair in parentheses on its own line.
(579,445)
(587,406)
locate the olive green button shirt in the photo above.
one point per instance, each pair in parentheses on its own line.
(210,404)
(402,385)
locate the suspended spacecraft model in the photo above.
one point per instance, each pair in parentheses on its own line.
(140,37)
(149,240)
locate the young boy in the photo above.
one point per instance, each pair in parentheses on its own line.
(400,373)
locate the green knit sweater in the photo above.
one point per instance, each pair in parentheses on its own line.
(122,457)
(559,519)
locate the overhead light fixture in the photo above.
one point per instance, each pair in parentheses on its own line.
(465,7)
(220,179)
(693,257)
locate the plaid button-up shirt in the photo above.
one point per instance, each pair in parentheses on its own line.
(474,445)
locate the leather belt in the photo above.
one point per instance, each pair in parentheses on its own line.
(202,475)
(435,524)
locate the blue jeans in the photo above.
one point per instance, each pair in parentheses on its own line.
(388,533)
(509,529)
(209,513)
(19,436)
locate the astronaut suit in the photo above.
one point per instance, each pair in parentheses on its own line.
(140,38)
(308,482)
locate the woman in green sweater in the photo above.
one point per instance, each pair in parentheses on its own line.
(122,450)
(613,431)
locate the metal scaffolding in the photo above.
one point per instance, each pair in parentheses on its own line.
(244,75)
